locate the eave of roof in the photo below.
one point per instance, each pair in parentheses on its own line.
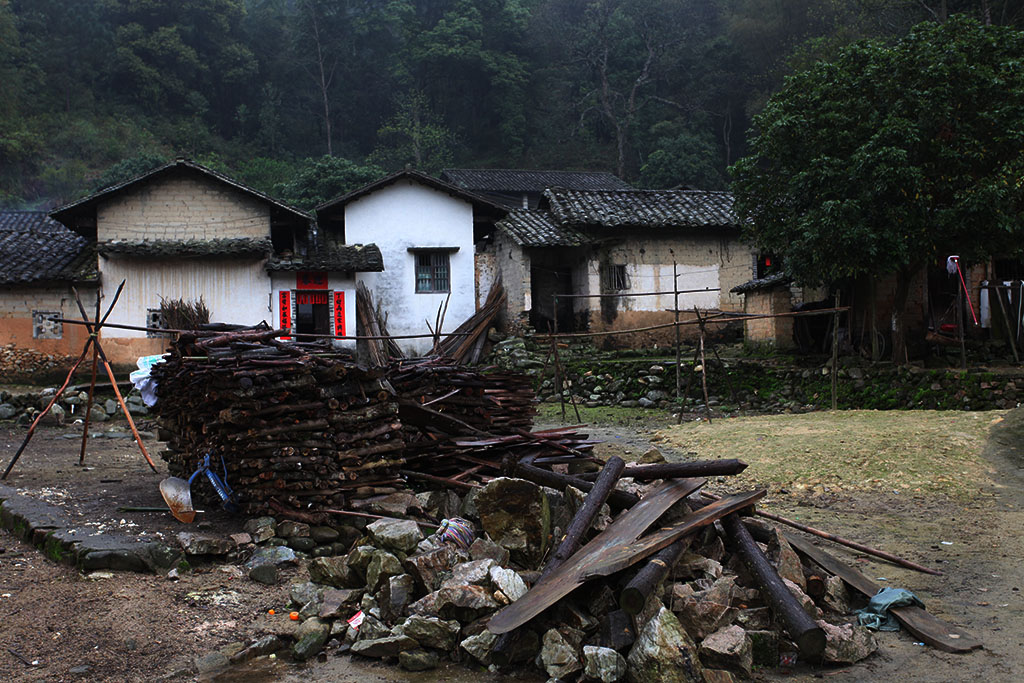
(769,282)
(238,246)
(361,258)
(415,176)
(532,228)
(177,164)
(36,250)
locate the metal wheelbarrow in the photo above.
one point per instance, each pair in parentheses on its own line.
(177,492)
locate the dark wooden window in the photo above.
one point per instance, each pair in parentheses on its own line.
(432,271)
(615,278)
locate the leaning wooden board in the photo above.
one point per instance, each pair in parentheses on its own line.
(917,621)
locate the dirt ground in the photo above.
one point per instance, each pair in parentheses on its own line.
(60,625)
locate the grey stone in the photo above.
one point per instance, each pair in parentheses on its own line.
(417,660)
(204,544)
(479,646)
(310,638)
(664,652)
(359,557)
(464,603)
(695,566)
(508,582)
(603,664)
(289,529)
(211,663)
(264,646)
(110,406)
(302,593)
(7,411)
(395,534)
(805,600)
(275,555)
(391,505)
(430,568)
(475,572)
(836,597)
(484,548)
(80,670)
(656,395)
(55,416)
(266,574)
(261,528)
(98,414)
(430,631)
(386,646)
(786,561)
(846,643)
(303,544)
(651,456)
(323,534)
(754,618)
(644,402)
(704,612)
(727,648)
(395,595)
(560,652)
(382,566)
(516,515)
(441,504)
(333,571)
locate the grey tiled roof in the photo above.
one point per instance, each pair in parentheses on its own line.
(775,280)
(36,249)
(238,246)
(516,180)
(642,208)
(539,229)
(362,258)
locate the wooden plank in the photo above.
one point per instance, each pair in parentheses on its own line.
(922,625)
(622,532)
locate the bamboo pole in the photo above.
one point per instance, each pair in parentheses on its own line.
(92,391)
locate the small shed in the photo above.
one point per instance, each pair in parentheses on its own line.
(768,295)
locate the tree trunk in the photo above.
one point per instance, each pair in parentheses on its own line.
(904,277)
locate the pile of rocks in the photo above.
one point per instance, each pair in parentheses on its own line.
(21,361)
(403,596)
(23,408)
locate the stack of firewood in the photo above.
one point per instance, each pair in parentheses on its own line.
(298,423)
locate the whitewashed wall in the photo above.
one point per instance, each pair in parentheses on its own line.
(407,215)
(286,281)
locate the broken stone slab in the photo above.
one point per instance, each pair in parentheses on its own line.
(474,572)
(603,664)
(515,514)
(395,534)
(663,652)
(339,602)
(386,646)
(479,646)
(510,584)
(261,528)
(727,648)
(196,543)
(333,571)
(304,592)
(430,631)
(784,558)
(755,618)
(417,660)
(441,504)
(695,566)
(704,612)
(837,597)
(310,638)
(392,505)
(359,557)
(463,603)
(560,652)
(431,568)
(846,643)
(382,566)
(395,595)
(806,603)
(266,645)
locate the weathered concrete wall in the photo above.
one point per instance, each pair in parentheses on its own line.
(236,290)
(486,270)
(17,305)
(513,265)
(181,208)
(404,216)
(777,332)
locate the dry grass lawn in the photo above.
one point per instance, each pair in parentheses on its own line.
(913,451)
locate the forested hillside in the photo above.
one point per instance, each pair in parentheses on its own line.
(302,97)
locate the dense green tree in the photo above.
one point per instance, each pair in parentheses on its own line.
(415,136)
(317,180)
(888,157)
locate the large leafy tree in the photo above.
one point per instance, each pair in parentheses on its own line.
(888,157)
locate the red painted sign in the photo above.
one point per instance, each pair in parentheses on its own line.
(339,314)
(311,298)
(311,279)
(285,304)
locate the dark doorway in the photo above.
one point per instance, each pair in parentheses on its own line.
(312,314)
(546,281)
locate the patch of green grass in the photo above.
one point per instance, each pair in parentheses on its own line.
(912,451)
(602,415)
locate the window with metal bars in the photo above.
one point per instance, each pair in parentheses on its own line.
(432,271)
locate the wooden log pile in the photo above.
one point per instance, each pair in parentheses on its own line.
(300,423)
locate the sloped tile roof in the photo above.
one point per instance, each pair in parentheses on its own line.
(642,208)
(362,258)
(410,175)
(516,180)
(36,249)
(774,280)
(235,246)
(63,213)
(531,228)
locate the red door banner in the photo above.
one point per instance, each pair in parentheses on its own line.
(285,302)
(311,279)
(339,314)
(302,298)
